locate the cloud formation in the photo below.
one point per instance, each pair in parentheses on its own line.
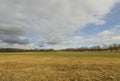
(12,35)
(49,21)
(107,36)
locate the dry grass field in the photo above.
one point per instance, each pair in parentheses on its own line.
(60,66)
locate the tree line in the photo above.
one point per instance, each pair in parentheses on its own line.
(24,50)
(112,48)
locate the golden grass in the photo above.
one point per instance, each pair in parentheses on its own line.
(46,68)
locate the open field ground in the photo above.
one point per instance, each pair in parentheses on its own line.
(60,66)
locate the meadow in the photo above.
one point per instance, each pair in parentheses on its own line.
(60,66)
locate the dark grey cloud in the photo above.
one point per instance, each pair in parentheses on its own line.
(41,45)
(11,30)
(12,35)
(53,42)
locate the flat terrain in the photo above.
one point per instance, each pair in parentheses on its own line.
(60,66)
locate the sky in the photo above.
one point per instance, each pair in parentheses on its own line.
(58,24)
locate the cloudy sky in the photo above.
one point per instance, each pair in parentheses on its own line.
(59,23)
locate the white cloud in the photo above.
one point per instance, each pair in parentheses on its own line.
(116,38)
(52,20)
(109,40)
(73,40)
(105,33)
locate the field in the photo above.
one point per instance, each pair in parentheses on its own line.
(60,66)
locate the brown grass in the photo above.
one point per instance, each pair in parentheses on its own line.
(45,68)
